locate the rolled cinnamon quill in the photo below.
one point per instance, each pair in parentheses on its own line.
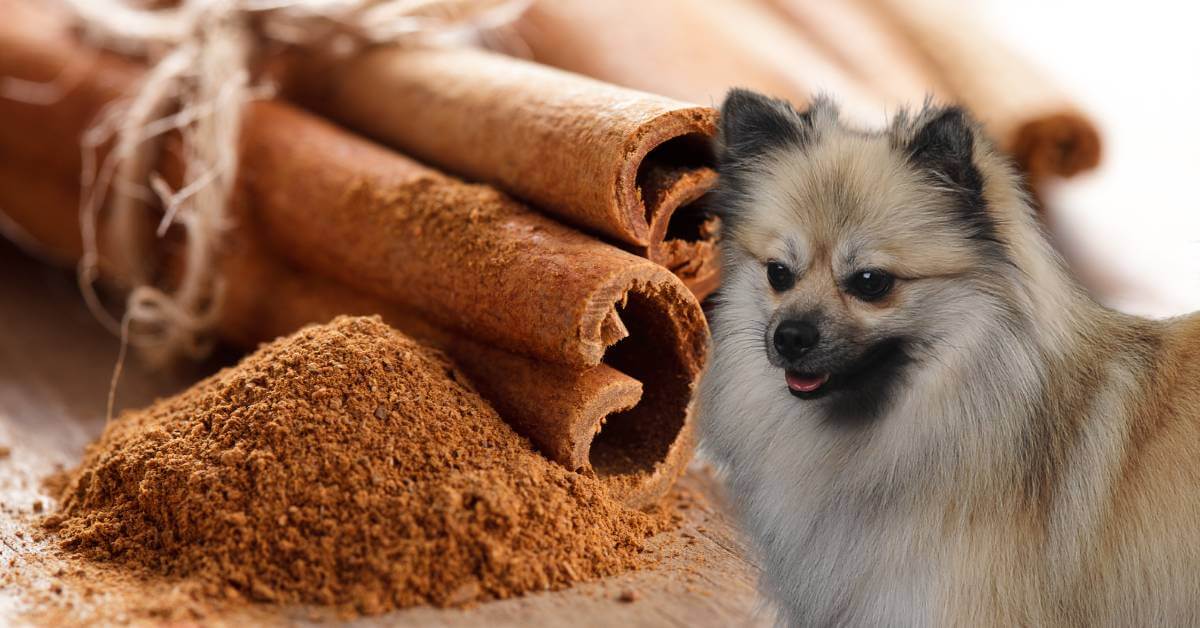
(466,256)
(588,350)
(1031,118)
(625,164)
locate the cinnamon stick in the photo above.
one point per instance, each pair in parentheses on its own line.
(39,205)
(863,41)
(625,164)
(1030,116)
(693,51)
(557,328)
(464,255)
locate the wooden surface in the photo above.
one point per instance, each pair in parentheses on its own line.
(55,366)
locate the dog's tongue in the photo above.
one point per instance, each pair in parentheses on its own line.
(805,383)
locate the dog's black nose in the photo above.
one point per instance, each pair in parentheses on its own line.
(794,338)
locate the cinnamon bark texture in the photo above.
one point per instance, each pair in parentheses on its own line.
(693,51)
(1031,118)
(588,350)
(625,164)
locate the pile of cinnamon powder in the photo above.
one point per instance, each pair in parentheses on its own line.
(343,465)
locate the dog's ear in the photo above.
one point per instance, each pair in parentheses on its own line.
(944,145)
(753,124)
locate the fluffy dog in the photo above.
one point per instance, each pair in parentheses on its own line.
(922,418)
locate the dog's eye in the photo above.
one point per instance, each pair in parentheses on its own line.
(780,276)
(869,285)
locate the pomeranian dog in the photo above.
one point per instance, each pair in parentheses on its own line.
(922,419)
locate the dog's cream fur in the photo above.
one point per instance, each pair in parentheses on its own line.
(1038,462)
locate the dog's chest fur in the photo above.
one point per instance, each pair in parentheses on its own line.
(840,548)
(840,560)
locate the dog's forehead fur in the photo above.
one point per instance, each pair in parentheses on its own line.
(851,199)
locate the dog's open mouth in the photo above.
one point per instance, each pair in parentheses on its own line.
(805,384)
(877,365)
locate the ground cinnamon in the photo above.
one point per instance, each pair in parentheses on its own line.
(343,465)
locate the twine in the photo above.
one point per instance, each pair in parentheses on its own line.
(199,52)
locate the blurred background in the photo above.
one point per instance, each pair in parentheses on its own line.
(1134,222)
(1093,100)
(1127,75)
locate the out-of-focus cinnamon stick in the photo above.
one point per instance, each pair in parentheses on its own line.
(1030,116)
(532,301)
(863,41)
(616,161)
(693,51)
(39,205)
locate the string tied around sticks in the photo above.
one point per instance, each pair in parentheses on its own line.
(200,54)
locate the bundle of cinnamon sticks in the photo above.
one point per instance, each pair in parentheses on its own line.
(588,349)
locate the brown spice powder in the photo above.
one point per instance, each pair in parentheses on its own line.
(346,465)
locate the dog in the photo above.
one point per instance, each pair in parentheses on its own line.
(922,419)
